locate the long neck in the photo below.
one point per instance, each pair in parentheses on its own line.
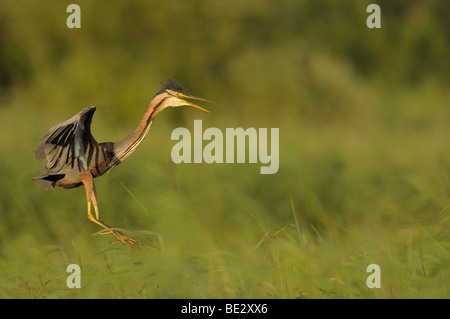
(125,147)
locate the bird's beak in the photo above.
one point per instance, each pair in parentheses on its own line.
(186,96)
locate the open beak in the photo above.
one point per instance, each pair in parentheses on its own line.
(186,96)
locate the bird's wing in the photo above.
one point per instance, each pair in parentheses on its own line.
(65,144)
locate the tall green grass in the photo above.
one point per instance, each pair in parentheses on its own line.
(364,171)
(341,200)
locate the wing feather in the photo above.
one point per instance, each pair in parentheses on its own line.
(64,145)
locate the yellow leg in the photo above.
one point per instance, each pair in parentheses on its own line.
(91,198)
(108,230)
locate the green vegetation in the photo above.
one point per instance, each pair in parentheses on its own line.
(364,176)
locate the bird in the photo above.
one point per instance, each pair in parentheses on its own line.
(72,157)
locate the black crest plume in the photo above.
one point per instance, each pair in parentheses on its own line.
(170,85)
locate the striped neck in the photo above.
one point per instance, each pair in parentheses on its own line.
(126,147)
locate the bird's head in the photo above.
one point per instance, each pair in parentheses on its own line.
(172,95)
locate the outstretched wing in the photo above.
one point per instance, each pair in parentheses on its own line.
(64,145)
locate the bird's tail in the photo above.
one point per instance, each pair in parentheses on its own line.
(48,180)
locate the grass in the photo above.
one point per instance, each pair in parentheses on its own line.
(364,174)
(342,200)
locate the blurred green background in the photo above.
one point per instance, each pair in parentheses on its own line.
(364,171)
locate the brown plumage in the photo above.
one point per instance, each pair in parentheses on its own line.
(72,157)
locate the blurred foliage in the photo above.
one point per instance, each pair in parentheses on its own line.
(364,148)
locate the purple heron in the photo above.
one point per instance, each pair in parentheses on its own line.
(72,157)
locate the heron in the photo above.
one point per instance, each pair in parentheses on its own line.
(72,157)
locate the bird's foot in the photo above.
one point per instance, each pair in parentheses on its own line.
(122,238)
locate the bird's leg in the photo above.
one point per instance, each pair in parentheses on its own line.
(92,199)
(109,231)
